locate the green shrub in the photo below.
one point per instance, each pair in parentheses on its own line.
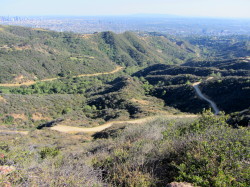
(8,120)
(206,152)
(49,152)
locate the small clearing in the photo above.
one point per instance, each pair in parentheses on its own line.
(19,116)
(38,116)
(140,101)
(2,99)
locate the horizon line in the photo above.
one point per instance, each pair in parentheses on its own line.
(131,15)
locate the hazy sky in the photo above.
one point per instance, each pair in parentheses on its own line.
(212,8)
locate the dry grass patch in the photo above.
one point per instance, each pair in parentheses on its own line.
(23,47)
(39,29)
(2,99)
(5,46)
(19,78)
(19,116)
(86,36)
(38,116)
(140,101)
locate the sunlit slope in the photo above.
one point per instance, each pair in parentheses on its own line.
(30,54)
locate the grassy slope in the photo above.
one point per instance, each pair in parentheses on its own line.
(37,54)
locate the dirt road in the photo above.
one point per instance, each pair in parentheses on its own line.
(200,94)
(92,130)
(28,83)
(70,129)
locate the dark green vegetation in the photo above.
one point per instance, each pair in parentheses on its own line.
(231,93)
(229,86)
(156,81)
(83,101)
(204,152)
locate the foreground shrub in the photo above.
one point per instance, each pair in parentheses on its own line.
(49,152)
(207,152)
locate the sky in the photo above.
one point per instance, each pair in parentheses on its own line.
(196,8)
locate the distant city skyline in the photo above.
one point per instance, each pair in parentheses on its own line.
(193,8)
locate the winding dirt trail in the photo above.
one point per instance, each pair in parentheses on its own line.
(200,94)
(70,129)
(92,130)
(28,83)
(73,130)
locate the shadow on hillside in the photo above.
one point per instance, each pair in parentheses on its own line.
(50,124)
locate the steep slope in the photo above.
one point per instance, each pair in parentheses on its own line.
(235,64)
(130,49)
(28,54)
(230,93)
(31,54)
(229,87)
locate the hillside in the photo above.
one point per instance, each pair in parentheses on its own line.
(222,47)
(242,63)
(157,89)
(214,47)
(227,84)
(204,152)
(231,93)
(34,54)
(89,101)
(110,109)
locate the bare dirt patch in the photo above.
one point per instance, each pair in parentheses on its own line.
(5,47)
(179,184)
(140,101)
(19,116)
(22,47)
(2,99)
(38,116)
(19,78)
(39,29)
(28,83)
(86,36)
